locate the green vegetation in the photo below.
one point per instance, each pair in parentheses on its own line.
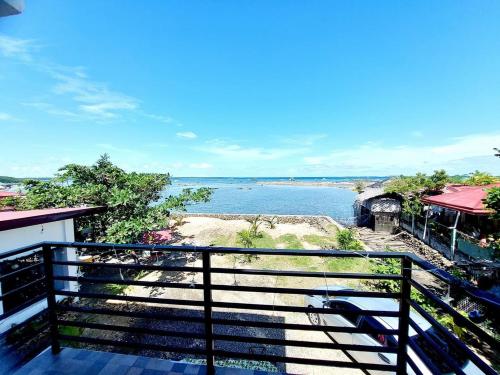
(480,178)
(359,187)
(346,240)
(10,180)
(245,238)
(272,222)
(324,242)
(128,198)
(492,202)
(290,240)
(393,267)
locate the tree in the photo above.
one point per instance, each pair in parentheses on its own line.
(133,201)
(359,187)
(480,178)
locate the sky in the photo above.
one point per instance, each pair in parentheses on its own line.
(251,88)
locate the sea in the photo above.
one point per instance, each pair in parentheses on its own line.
(245,195)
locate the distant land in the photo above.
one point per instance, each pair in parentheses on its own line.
(18,180)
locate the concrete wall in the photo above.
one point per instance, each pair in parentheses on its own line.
(55,231)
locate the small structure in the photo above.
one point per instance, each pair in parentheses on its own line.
(461,209)
(23,228)
(376,209)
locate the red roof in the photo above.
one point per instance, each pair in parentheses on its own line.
(19,219)
(5,194)
(468,199)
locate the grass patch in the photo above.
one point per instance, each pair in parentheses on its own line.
(224,241)
(265,241)
(348,265)
(291,241)
(116,288)
(321,241)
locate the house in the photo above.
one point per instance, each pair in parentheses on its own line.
(376,209)
(23,228)
(460,211)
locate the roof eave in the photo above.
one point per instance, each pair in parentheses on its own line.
(48,218)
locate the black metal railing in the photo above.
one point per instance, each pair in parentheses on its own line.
(205,311)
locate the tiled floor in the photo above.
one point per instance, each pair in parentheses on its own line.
(86,362)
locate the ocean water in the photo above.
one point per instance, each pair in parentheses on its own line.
(247,196)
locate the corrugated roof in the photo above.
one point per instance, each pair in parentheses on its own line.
(464,199)
(19,219)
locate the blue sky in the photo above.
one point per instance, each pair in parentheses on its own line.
(251,88)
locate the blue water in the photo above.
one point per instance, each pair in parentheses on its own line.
(246,195)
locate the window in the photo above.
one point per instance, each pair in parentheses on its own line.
(370,323)
(350,316)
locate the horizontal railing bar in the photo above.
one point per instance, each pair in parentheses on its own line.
(470,354)
(23,306)
(305,344)
(131,314)
(133,266)
(21,250)
(304,361)
(329,311)
(21,270)
(142,330)
(316,292)
(232,250)
(301,327)
(220,321)
(27,285)
(97,280)
(423,357)
(461,320)
(166,301)
(228,287)
(442,354)
(134,345)
(336,275)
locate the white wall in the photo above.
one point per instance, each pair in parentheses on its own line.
(55,231)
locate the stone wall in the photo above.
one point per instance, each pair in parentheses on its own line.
(314,220)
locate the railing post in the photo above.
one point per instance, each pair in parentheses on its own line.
(404,315)
(207,300)
(51,298)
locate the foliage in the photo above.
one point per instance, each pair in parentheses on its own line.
(480,178)
(254,226)
(346,240)
(393,267)
(412,188)
(245,238)
(492,202)
(130,199)
(178,220)
(359,187)
(272,222)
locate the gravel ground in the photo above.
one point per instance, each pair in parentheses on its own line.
(226,296)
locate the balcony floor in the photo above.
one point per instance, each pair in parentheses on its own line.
(87,362)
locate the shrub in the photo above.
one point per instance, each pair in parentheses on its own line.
(346,240)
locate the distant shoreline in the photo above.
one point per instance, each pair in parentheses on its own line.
(340,184)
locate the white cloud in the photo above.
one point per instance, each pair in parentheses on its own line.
(187,135)
(461,154)
(17,48)
(235,151)
(200,166)
(6,117)
(92,100)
